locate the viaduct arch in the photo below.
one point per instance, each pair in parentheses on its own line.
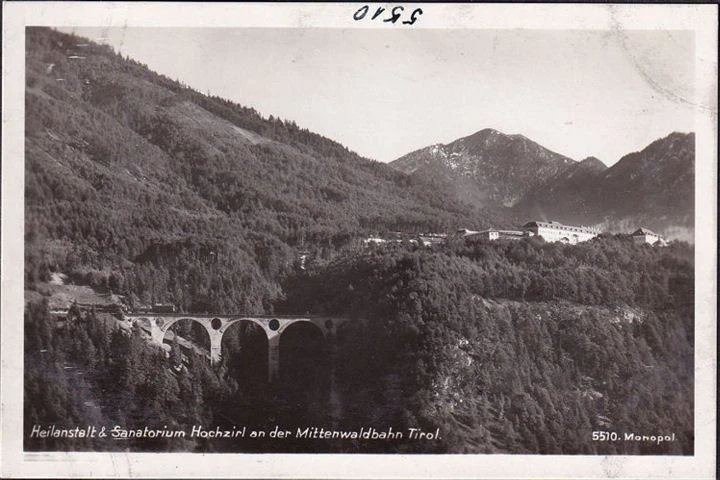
(217,325)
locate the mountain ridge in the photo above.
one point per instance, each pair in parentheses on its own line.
(515,175)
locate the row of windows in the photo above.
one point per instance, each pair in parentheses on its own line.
(569,229)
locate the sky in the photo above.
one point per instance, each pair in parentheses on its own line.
(385,93)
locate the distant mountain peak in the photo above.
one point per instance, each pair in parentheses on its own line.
(593,163)
(503,167)
(491,132)
(488,131)
(679,135)
(519,136)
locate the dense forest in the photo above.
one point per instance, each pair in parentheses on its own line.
(140,187)
(522,346)
(517,346)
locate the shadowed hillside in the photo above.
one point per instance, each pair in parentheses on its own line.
(654,188)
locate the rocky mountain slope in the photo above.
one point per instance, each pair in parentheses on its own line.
(502,167)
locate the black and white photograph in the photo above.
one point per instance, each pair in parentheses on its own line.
(402,233)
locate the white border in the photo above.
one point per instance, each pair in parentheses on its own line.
(13,463)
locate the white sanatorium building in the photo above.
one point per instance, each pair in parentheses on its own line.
(493,234)
(643,235)
(549,231)
(557,232)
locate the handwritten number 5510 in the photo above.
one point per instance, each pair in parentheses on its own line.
(395,14)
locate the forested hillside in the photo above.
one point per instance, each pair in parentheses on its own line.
(138,183)
(519,346)
(506,347)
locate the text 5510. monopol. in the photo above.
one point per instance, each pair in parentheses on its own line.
(601,436)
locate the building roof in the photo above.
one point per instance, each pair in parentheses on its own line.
(644,231)
(560,226)
(550,224)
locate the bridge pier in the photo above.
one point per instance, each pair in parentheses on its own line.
(215,346)
(273,357)
(156,333)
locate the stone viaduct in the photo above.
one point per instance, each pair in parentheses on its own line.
(217,325)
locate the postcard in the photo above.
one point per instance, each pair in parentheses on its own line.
(359,240)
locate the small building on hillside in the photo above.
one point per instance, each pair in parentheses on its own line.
(557,232)
(644,235)
(488,234)
(512,234)
(373,241)
(432,239)
(494,234)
